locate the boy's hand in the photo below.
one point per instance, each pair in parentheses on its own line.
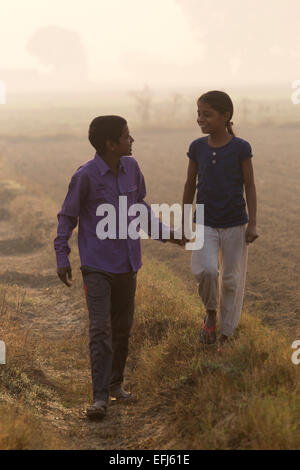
(251,234)
(177,241)
(65,275)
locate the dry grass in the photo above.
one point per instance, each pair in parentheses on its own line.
(26,392)
(20,430)
(248,398)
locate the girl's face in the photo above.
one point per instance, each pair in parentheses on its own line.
(209,119)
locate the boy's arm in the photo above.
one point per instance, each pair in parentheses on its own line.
(67,221)
(65,228)
(151,215)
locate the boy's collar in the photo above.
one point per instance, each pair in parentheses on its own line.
(102,165)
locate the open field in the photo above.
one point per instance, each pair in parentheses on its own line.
(46,381)
(273,276)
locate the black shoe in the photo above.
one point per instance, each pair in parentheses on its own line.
(97,411)
(120,395)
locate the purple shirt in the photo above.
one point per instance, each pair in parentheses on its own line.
(93,184)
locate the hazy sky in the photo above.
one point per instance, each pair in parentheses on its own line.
(164,42)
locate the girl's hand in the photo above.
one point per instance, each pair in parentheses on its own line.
(184,238)
(251,234)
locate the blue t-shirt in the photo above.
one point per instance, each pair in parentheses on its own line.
(220,181)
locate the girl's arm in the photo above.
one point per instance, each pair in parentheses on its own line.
(190,185)
(250,190)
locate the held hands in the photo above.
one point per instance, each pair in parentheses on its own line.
(251,233)
(65,275)
(177,241)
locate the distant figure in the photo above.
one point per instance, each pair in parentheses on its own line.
(222,163)
(109,266)
(63,50)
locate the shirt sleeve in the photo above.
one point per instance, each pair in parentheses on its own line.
(246,152)
(191,152)
(68,217)
(151,215)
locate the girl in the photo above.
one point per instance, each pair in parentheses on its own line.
(223,164)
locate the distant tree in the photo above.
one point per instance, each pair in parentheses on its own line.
(143,100)
(177,101)
(61,49)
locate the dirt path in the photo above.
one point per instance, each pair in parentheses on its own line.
(48,310)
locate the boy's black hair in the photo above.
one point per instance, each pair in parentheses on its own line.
(220,101)
(104,128)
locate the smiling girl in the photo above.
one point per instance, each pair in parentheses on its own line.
(222,162)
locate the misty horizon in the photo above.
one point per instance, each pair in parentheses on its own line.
(173,44)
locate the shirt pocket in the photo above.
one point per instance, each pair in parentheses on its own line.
(104,194)
(131,192)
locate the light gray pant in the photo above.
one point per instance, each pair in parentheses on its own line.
(220,268)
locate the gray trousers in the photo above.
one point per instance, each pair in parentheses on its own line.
(220,268)
(110,301)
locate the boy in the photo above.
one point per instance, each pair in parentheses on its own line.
(109,264)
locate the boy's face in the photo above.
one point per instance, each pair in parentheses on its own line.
(209,119)
(124,145)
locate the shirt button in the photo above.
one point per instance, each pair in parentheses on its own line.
(214,153)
